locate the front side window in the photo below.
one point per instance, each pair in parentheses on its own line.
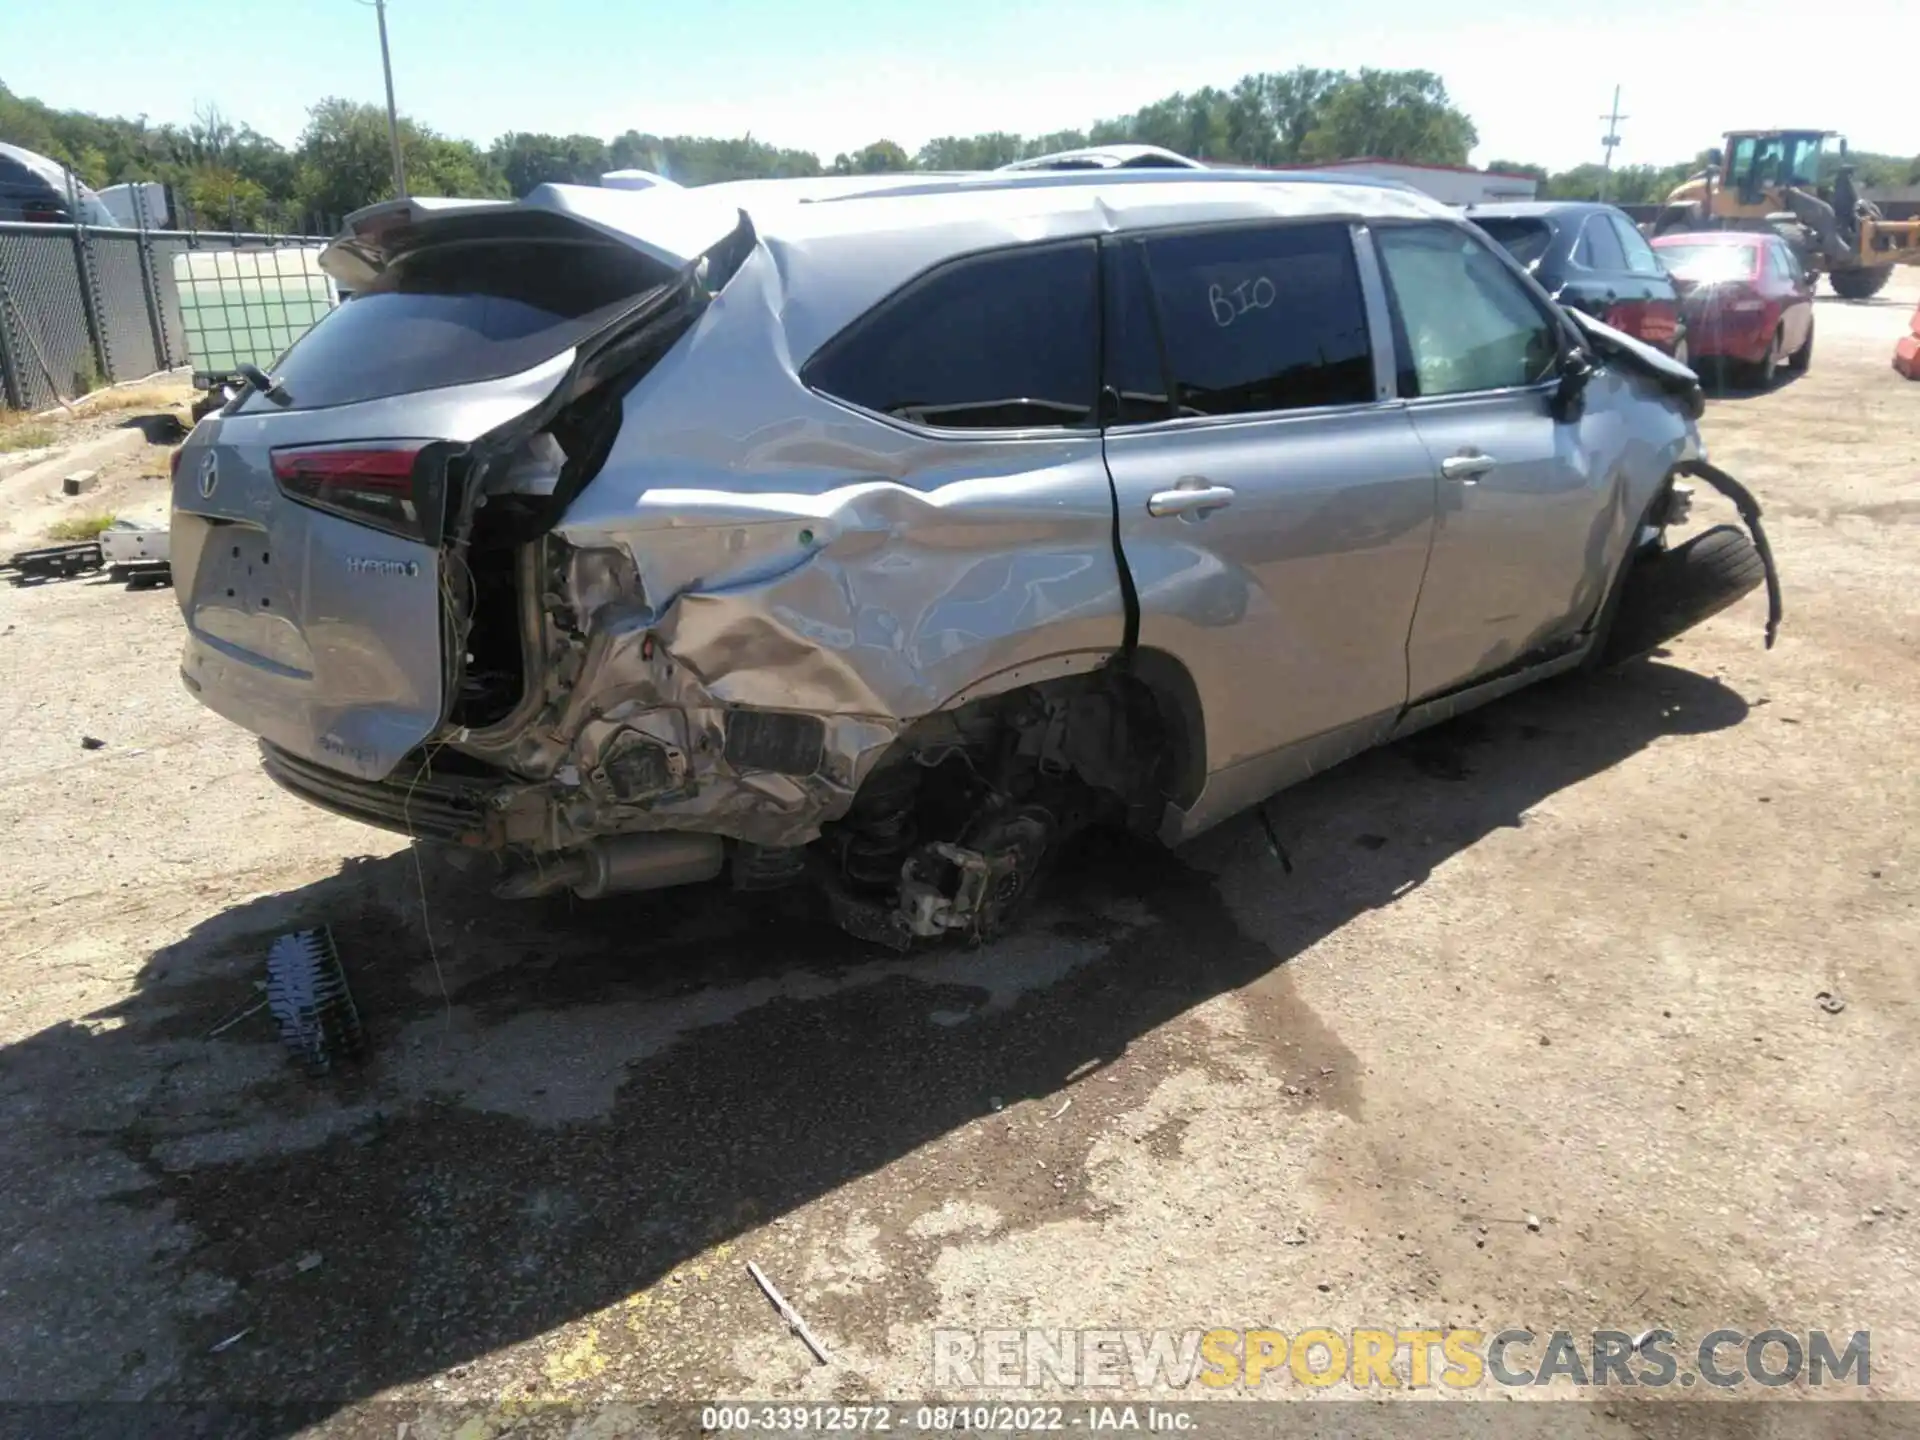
(1740,170)
(1469,324)
(1006,340)
(1261,319)
(1803,160)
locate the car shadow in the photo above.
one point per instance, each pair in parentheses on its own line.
(1881,302)
(563,1102)
(1731,388)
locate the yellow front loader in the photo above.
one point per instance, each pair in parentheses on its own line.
(1772,180)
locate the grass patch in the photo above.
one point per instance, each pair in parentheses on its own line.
(132,397)
(20,431)
(81,527)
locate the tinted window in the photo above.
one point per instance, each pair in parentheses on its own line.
(1469,323)
(1599,247)
(1261,319)
(1640,257)
(454,314)
(1524,238)
(996,341)
(1135,376)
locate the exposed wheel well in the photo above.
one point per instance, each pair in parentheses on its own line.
(1113,747)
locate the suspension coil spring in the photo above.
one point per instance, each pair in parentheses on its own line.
(881,826)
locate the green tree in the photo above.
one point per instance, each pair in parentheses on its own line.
(1519,167)
(527,160)
(974,152)
(705,160)
(344,160)
(879,158)
(1395,114)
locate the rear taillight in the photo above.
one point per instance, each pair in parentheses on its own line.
(1655,321)
(393,485)
(173,463)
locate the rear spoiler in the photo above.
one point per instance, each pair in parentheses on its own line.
(1641,358)
(671,225)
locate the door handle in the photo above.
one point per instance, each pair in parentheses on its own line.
(1190,497)
(1467,468)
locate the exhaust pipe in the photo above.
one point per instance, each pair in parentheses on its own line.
(621,863)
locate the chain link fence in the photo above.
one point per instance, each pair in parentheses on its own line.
(82,306)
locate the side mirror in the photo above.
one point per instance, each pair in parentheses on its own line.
(1576,369)
(1716,159)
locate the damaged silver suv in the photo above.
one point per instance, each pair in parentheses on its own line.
(885,540)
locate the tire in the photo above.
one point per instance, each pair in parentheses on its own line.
(1671,591)
(1861,284)
(1768,370)
(1800,359)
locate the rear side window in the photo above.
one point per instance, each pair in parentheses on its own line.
(1134,366)
(1005,340)
(1261,319)
(1599,248)
(1523,237)
(458,313)
(1640,257)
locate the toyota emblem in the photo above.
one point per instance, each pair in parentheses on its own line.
(209,475)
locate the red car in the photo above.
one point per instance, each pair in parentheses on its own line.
(1746,298)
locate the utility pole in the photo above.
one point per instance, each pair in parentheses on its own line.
(392,118)
(1612,117)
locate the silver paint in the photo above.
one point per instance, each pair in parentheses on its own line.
(749,542)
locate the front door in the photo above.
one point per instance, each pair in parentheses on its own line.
(1275,502)
(1523,506)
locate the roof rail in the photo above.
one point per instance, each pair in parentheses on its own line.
(1062,179)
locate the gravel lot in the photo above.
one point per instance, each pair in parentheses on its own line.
(1559,959)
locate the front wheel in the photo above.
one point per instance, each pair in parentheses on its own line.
(1861,284)
(1667,592)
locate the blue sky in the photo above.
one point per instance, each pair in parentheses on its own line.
(833,74)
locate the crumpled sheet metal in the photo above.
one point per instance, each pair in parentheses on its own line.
(829,563)
(869,606)
(757,806)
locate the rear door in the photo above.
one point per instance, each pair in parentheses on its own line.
(1522,500)
(1275,504)
(308,522)
(1648,307)
(1796,294)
